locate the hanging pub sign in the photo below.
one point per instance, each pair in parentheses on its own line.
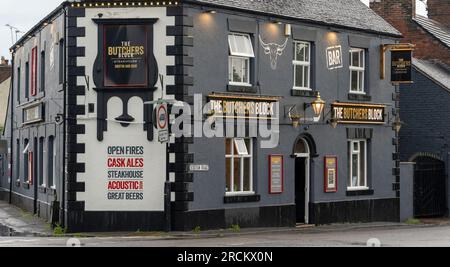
(276,174)
(354,113)
(125,56)
(401,66)
(331,177)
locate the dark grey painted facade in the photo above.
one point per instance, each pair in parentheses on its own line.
(210,51)
(201,67)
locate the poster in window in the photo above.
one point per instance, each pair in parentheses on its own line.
(126,56)
(276,174)
(331,174)
(401,66)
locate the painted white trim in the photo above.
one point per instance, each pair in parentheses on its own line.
(353,152)
(245,60)
(360,70)
(241,158)
(247,43)
(297,63)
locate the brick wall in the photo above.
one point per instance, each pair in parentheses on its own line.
(439,10)
(400,14)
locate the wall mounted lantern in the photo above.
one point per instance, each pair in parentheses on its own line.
(397,124)
(317,105)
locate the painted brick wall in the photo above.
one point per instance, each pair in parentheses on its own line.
(421,107)
(399,13)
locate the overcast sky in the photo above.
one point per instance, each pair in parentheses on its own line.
(24,14)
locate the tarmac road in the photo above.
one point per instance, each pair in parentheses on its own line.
(388,236)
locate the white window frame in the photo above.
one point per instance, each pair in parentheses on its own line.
(234,155)
(353,152)
(230,71)
(361,71)
(298,63)
(240,55)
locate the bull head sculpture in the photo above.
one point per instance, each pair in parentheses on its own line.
(274,51)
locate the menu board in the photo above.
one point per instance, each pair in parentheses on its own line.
(276,174)
(331,176)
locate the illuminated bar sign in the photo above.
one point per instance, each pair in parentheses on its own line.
(353,113)
(125,56)
(401,66)
(243,107)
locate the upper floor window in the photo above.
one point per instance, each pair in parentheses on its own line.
(61,61)
(19,84)
(241,50)
(27,80)
(302,65)
(357,70)
(42,72)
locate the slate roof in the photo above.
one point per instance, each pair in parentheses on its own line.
(438,30)
(345,13)
(439,72)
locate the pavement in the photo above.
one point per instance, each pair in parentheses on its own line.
(16,222)
(19,228)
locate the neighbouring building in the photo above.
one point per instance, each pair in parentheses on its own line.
(5,79)
(85,149)
(425,135)
(5,82)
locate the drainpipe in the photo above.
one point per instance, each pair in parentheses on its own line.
(63,186)
(11,121)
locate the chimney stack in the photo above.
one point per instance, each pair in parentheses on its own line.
(439,10)
(4,62)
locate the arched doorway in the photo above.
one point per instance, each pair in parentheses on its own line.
(429,187)
(302,155)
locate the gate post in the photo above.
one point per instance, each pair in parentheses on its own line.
(406,191)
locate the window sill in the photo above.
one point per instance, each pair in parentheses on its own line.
(230,199)
(360,192)
(303,93)
(51,191)
(242,88)
(359,97)
(42,189)
(26,185)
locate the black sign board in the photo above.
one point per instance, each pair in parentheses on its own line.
(126,56)
(401,66)
(354,113)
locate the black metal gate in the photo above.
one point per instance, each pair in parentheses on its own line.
(429,188)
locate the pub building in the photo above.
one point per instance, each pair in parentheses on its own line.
(85,153)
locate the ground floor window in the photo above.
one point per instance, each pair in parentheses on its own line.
(358,165)
(239,166)
(51,162)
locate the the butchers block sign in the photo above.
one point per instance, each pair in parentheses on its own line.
(354,113)
(126,56)
(401,66)
(125,165)
(276,173)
